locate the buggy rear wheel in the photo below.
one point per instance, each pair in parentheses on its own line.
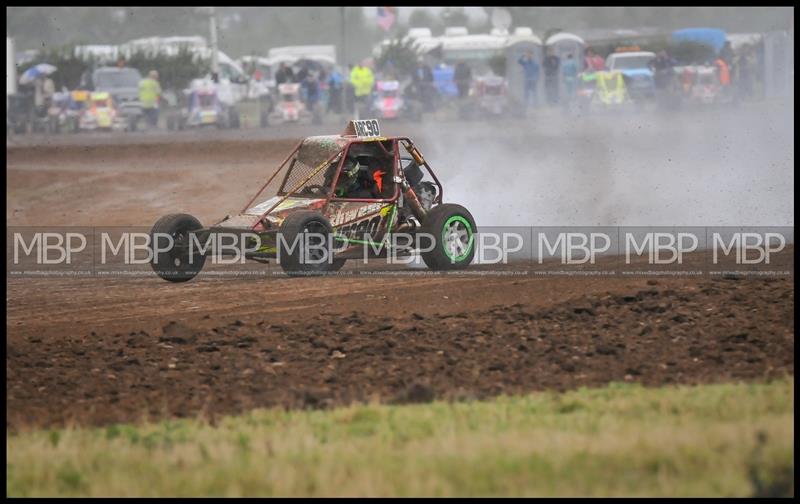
(174,263)
(453,230)
(305,248)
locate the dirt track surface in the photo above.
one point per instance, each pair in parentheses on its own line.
(101,350)
(656,332)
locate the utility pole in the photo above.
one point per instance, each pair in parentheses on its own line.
(343,62)
(214,50)
(343,40)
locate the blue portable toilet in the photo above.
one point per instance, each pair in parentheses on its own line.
(443,80)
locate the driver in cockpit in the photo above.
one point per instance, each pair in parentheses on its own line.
(360,180)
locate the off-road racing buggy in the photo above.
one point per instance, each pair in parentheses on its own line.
(336,197)
(701,85)
(101,114)
(602,91)
(488,98)
(492,94)
(123,86)
(391,102)
(388,104)
(200,106)
(289,107)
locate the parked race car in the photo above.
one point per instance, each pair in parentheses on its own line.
(100,113)
(289,107)
(201,107)
(487,98)
(123,86)
(491,93)
(336,197)
(611,88)
(388,104)
(706,87)
(600,91)
(701,84)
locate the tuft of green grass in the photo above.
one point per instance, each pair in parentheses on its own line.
(619,440)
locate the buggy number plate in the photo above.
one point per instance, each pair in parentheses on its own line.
(367,128)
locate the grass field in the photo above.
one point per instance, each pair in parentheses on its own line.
(713,440)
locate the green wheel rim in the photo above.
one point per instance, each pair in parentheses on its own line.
(454,231)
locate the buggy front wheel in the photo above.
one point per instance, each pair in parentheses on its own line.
(452,229)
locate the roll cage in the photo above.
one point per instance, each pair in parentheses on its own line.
(292,185)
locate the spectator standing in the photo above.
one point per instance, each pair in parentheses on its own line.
(530,78)
(44,89)
(551,65)
(284,75)
(463,77)
(746,69)
(362,79)
(312,90)
(423,82)
(569,73)
(335,89)
(300,78)
(149,94)
(312,94)
(593,61)
(324,90)
(662,70)
(724,71)
(726,53)
(349,91)
(302,73)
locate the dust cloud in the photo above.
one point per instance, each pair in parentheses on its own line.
(700,167)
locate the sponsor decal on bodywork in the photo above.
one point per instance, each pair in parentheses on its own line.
(372,219)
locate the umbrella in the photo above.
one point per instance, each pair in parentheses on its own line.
(35,71)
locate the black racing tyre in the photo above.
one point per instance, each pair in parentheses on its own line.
(453,229)
(294,258)
(174,265)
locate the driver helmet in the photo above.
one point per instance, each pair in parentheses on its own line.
(353,170)
(348,177)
